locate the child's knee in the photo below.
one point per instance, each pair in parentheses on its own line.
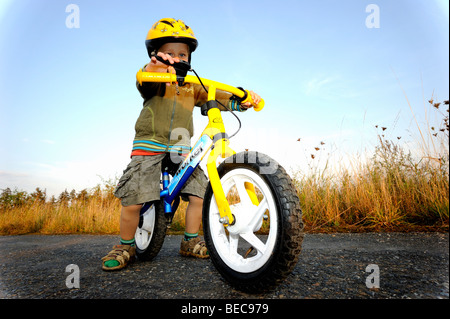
(196,201)
(131,210)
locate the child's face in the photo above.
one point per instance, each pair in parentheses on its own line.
(176,50)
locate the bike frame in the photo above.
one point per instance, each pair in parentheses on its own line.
(213,139)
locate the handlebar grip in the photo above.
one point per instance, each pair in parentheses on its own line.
(142,76)
(260,106)
(257,107)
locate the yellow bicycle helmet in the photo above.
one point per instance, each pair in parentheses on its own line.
(169,30)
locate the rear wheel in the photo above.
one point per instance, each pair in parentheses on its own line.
(262,247)
(151,231)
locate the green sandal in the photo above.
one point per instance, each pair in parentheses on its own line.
(121,254)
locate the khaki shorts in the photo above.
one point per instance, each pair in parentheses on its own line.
(140,182)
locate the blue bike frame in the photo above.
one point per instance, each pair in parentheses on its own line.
(171,189)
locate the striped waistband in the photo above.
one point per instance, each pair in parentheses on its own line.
(151,146)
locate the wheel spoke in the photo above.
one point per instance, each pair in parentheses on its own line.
(256,243)
(243,195)
(233,245)
(258,214)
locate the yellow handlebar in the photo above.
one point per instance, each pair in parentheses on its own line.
(170,78)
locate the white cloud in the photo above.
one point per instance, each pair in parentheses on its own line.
(48,141)
(315,86)
(331,87)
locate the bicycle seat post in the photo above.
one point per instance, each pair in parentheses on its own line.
(165,180)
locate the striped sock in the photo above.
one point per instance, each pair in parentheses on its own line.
(130,242)
(188,236)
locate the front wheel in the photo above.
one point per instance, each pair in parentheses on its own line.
(262,246)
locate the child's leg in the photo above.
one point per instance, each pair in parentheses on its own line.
(129,221)
(123,253)
(194,214)
(192,245)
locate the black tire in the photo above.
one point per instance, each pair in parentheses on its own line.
(284,255)
(147,253)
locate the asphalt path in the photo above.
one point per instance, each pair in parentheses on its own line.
(331,266)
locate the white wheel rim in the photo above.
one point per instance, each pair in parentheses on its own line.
(230,243)
(144,234)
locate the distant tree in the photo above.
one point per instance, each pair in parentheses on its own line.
(39,196)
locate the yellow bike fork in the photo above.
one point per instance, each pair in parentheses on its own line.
(216,131)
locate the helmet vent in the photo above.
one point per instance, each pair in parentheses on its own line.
(167,22)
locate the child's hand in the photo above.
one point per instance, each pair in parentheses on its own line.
(156,66)
(256,99)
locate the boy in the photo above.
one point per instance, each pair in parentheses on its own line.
(165,117)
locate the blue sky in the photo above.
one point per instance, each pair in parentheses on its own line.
(68,102)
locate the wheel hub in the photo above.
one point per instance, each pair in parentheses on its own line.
(241,219)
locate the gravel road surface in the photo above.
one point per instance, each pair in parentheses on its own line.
(409,265)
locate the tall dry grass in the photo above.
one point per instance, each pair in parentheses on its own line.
(394,195)
(94,211)
(393,189)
